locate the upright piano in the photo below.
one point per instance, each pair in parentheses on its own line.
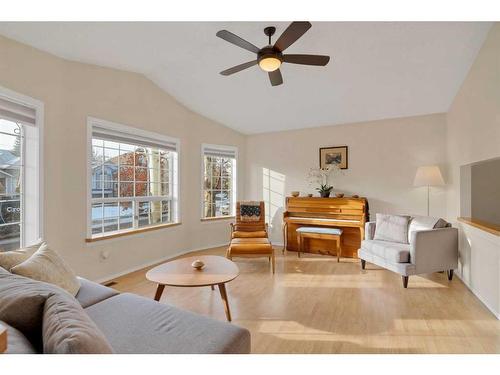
(348,214)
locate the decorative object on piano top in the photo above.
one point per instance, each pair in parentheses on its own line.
(323,177)
(295,193)
(324,190)
(333,156)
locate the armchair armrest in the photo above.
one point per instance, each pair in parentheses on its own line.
(434,250)
(370,230)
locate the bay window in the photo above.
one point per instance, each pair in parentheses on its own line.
(219,181)
(133,179)
(20,213)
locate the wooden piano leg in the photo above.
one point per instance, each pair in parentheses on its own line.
(299,244)
(284,239)
(338,249)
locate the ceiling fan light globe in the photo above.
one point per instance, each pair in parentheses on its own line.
(269,64)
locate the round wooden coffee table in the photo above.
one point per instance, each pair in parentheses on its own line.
(217,271)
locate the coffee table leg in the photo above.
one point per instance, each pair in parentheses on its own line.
(212,287)
(159,291)
(223,294)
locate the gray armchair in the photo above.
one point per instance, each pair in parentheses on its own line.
(432,247)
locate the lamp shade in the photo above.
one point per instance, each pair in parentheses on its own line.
(428,176)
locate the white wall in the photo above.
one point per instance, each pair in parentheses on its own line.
(383,158)
(473,134)
(72,91)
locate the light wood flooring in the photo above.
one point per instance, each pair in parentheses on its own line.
(316,305)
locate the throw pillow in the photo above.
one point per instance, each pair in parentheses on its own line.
(46,265)
(21,304)
(418,223)
(67,329)
(392,228)
(9,259)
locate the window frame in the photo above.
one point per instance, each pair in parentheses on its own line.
(174,184)
(32,229)
(234,182)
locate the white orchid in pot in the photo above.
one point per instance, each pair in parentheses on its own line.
(323,177)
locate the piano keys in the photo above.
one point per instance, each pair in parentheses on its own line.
(349,214)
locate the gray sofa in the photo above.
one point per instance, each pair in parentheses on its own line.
(431,246)
(129,323)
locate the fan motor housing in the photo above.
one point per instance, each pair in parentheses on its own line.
(269,51)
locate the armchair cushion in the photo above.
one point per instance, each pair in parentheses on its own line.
(252,234)
(391,251)
(392,228)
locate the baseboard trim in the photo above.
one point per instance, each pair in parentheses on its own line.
(156,261)
(478,296)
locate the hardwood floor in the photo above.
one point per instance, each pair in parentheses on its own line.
(316,305)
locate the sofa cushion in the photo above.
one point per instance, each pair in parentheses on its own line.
(67,329)
(17,343)
(91,293)
(21,304)
(391,251)
(425,223)
(392,228)
(134,324)
(9,259)
(46,265)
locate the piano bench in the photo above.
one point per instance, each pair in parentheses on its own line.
(320,233)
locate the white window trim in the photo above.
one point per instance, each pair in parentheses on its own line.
(235,179)
(37,229)
(176,198)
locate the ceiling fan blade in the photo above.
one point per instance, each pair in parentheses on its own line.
(235,39)
(318,60)
(238,68)
(291,34)
(276,77)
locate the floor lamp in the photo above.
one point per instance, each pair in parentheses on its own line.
(428,176)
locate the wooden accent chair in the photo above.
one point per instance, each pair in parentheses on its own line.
(249,235)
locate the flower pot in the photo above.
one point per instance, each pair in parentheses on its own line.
(324,194)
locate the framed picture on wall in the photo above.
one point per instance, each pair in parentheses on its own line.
(333,155)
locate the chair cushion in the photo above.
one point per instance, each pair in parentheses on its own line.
(46,265)
(252,234)
(250,246)
(391,251)
(146,326)
(393,228)
(91,293)
(17,343)
(320,230)
(67,329)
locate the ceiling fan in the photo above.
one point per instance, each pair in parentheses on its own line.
(271,57)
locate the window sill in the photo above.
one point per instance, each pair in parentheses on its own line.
(217,218)
(483,225)
(132,231)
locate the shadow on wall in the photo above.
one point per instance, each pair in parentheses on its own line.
(273,194)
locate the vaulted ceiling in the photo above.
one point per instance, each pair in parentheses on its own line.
(377,70)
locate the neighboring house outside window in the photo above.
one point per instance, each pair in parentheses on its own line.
(133,177)
(219,181)
(20,122)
